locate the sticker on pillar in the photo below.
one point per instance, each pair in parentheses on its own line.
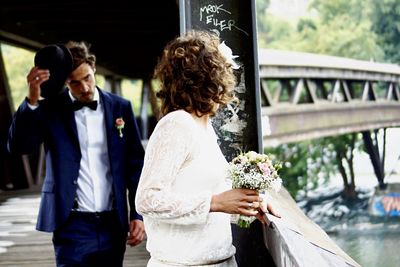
(232,121)
(226,51)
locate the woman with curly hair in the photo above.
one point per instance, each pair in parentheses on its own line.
(184,193)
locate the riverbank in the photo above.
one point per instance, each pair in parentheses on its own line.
(371,241)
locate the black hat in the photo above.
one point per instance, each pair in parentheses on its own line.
(58,60)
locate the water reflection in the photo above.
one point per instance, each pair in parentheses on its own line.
(371,241)
(371,247)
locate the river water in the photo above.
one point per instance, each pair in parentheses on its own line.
(375,244)
(371,241)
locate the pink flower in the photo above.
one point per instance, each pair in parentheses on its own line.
(120,124)
(264,168)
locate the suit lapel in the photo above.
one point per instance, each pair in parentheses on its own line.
(70,118)
(109,110)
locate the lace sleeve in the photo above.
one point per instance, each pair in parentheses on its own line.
(169,147)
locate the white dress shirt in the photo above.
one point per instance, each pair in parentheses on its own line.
(94,192)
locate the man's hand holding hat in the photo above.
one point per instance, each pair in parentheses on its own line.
(53,64)
(35,78)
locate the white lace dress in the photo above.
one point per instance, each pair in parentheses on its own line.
(183,168)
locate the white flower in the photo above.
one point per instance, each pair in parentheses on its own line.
(252,155)
(226,51)
(254,171)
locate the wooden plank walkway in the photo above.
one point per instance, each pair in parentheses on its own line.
(21,245)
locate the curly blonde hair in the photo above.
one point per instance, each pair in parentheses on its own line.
(194,75)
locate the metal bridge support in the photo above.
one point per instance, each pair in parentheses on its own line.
(238,126)
(378,160)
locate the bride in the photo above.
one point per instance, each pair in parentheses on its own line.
(184,193)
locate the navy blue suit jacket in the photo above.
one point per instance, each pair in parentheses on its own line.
(53,123)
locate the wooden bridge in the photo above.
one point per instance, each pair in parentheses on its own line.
(22,246)
(303,96)
(306,96)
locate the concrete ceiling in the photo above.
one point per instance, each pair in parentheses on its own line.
(126,36)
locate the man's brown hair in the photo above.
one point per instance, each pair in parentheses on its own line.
(81,54)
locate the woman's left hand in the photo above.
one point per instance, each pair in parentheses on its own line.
(136,233)
(266,208)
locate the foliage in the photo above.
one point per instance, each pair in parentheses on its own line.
(344,29)
(17,63)
(341,28)
(269,28)
(386,23)
(343,156)
(277,34)
(359,10)
(132,90)
(305,164)
(261,8)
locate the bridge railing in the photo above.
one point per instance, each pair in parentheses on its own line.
(316,90)
(307,96)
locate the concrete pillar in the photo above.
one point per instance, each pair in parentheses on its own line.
(237,126)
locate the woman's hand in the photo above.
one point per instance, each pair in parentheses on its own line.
(266,208)
(136,233)
(237,201)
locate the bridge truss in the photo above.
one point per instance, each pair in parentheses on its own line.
(306,96)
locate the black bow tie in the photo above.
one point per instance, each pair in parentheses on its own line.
(77,105)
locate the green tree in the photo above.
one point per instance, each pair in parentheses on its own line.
(278,35)
(17,62)
(305,165)
(261,18)
(386,23)
(343,157)
(359,10)
(341,28)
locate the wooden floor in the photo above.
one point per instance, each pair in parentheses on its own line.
(21,245)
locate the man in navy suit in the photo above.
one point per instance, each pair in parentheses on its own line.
(93,157)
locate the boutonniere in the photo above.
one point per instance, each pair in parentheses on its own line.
(120,124)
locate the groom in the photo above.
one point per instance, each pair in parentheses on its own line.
(93,156)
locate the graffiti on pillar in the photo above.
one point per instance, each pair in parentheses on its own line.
(238,124)
(235,124)
(209,15)
(231,120)
(230,124)
(386,205)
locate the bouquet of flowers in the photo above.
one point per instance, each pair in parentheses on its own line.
(254,171)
